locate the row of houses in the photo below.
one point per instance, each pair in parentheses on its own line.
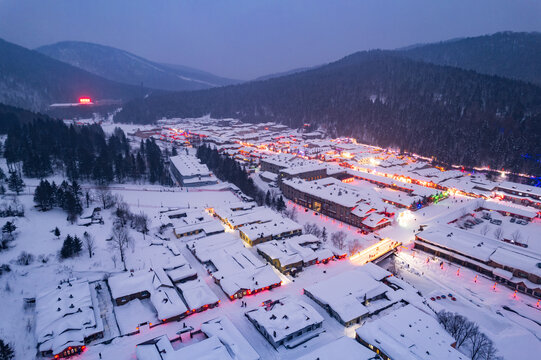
(170,286)
(508,264)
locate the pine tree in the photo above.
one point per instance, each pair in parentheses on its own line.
(324,235)
(77,246)
(280,204)
(67,248)
(43,195)
(268,199)
(9,228)
(56,232)
(6,351)
(15,183)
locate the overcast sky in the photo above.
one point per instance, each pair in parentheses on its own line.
(244,39)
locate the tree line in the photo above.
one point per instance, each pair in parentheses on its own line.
(81,153)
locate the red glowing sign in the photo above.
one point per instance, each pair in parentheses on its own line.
(84,100)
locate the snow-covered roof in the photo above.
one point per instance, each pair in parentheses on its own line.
(514,209)
(230,336)
(284,317)
(410,334)
(482,248)
(163,295)
(197,294)
(346,293)
(273,228)
(66,315)
(161,349)
(345,347)
(189,166)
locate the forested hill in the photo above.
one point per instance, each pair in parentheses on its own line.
(509,54)
(458,116)
(33,81)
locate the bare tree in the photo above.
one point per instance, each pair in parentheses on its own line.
(115,259)
(140,223)
(484,229)
(313,229)
(354,246)
(479,344)
(89,243)
(89,197)
(120,241)
(516,236)
(105,197)
(122,213)
(338,239)
(290,213)
(498,233)
(460,328)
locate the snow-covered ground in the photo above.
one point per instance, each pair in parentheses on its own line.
(512,322)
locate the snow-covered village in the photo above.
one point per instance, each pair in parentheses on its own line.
(270,180)
(266,242)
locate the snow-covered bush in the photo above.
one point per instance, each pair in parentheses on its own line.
(25,258)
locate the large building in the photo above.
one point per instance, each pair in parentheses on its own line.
(188,171)
(340,201)
(508,264)
(520,193)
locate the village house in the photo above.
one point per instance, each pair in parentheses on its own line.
(67,319)
(360,293)
(154,285)
(281,321)
(279,228)
(233,267)
(408,333)
(292,255)
(222,341)
(345,346)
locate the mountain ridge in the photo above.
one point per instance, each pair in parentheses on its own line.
(125,67)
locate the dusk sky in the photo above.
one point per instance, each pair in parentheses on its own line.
(245,39)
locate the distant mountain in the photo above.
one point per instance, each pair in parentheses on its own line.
(124,67)
(285,73)
(458,116)
(33,81)
(508,54)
